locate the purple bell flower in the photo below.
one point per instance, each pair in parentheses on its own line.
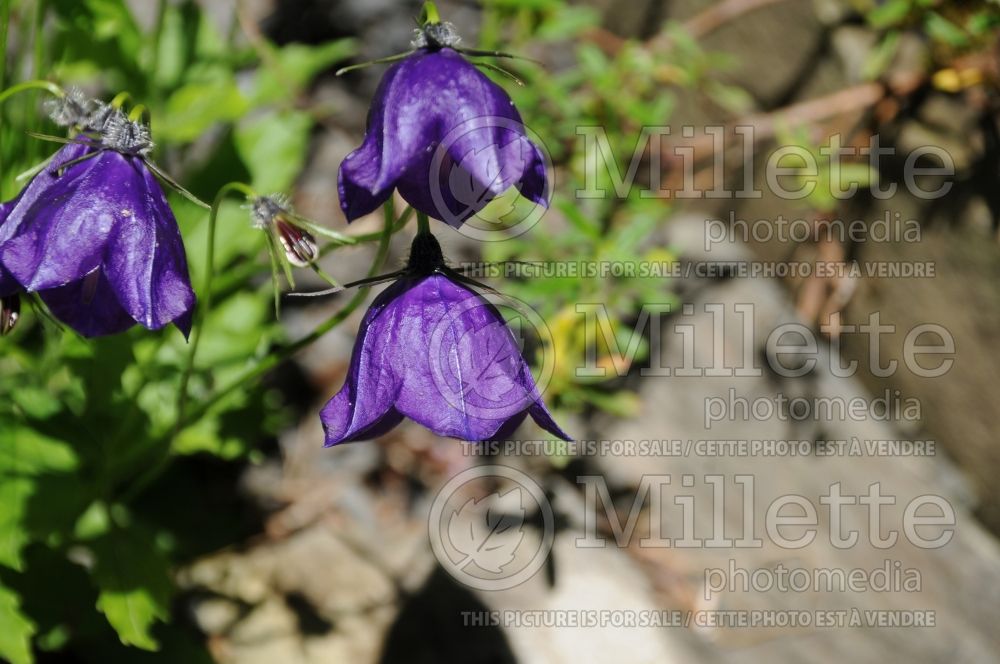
(433,350)
(443,134)
(94,236)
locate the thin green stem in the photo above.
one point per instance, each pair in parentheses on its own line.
(363,238)
(206,289)
(288,351)
(271,361)
(161,15)
(39,43)
(4,25)
(38,65)
(423,224)
(31,85)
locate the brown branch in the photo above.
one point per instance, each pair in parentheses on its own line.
(854,99)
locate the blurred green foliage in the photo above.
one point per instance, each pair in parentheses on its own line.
(87,426)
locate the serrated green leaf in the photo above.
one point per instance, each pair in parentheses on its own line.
(134,585)
(16,629)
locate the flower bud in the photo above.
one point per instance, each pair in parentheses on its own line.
(274,215)
(299,245)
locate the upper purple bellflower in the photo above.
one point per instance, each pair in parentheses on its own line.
(444,135)
(93,235)
(432,349)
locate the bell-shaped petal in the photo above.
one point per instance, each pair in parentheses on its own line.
(89,306)
(8,284)
(95,225)
(435,351)
(446,136)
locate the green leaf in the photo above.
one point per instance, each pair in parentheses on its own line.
(204,437)
(15,629)
(568,22)
(889,14)
(14,495)
(134,585)
(981,23)
(941,29)
(878,61)
(25,455)
(623,403)
(112,19)
(196,106)
(274,148)
(293,68)
(24,451)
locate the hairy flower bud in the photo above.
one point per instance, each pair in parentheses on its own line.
(274,214)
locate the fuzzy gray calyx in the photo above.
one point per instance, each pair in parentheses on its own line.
(436,35)
(264,209)
(123,135)
(77,109)
(70,110)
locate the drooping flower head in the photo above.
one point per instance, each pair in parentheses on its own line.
(273,215)
(444,135)
(94,236)
(433,349)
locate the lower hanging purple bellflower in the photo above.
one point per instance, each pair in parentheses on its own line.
(432,349)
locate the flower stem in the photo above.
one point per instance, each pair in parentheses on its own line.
(206,289)
(429,14)
(397,226)
(159,466)
(290,350)
(31,85)
(38,65)
(161,15)
(4,25)
(423,224)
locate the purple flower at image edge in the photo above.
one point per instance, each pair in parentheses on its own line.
(435,100)
(98,241)
(434,351)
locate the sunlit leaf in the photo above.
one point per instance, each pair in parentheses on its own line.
(16,630)
(134,585)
